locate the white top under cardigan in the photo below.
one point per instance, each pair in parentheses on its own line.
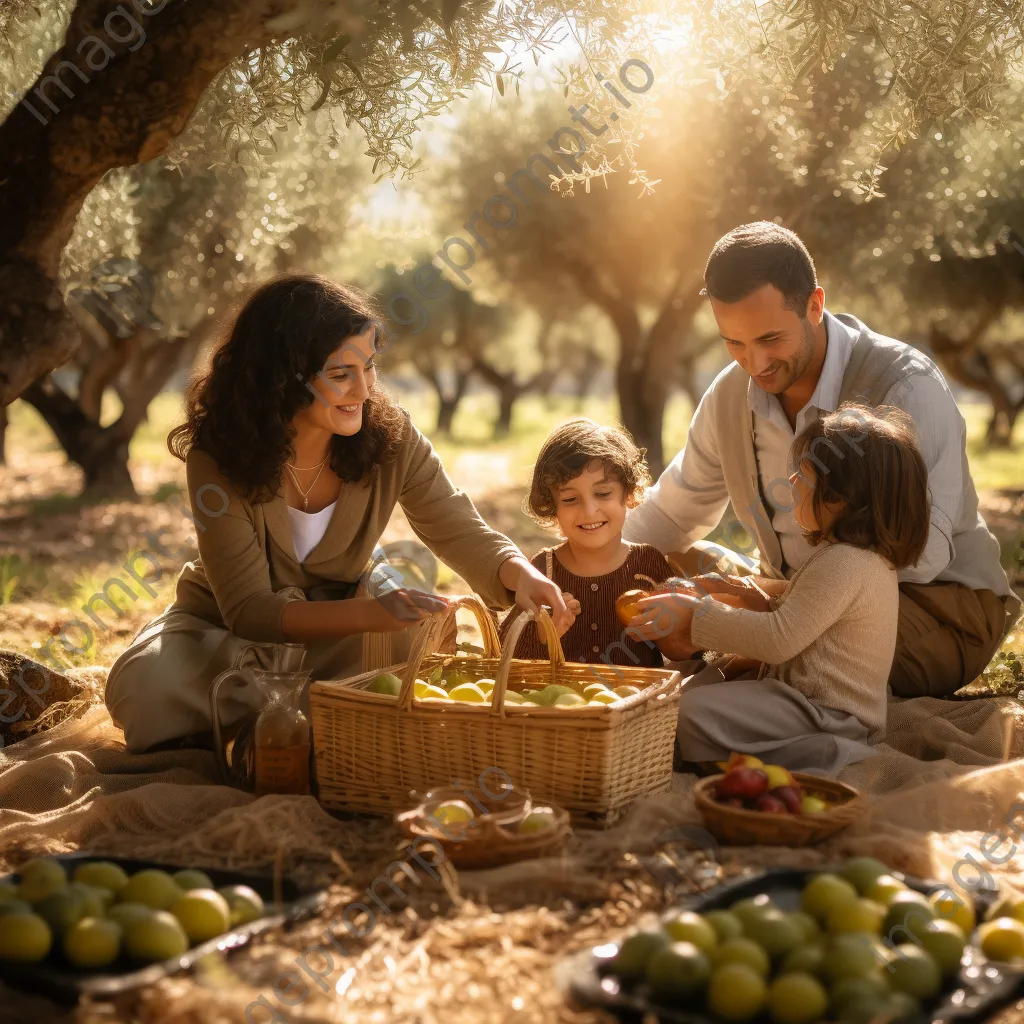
(308,528)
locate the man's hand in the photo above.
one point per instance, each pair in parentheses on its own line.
(667,619)
(745,593)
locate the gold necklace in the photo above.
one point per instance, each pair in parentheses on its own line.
(306,469)
(295,480)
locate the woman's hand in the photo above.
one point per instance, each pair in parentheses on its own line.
(306,622)
(533,589)
(667,619)
(398,609)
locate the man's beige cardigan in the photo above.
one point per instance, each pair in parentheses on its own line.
(246,556)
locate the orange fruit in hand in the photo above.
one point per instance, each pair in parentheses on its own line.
(626,605)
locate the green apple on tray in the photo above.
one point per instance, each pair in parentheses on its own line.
(102,912)
(825,961)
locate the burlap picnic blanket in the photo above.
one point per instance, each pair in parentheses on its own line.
(945,801)
(947,768)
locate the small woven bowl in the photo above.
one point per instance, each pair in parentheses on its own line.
(492,839)
(739,827)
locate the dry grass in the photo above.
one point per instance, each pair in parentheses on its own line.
(480,949)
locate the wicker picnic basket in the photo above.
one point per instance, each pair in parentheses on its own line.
(375,753)
(740,827)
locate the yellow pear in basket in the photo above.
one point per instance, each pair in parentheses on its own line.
(627,691)
(24,938)
(604,697)
(468,692)
(592,689)
(246,904)
(568,700)
(428,691)
(102,873)
(487,685)
(190,878)
(157,937)
(387,683)
(39,878)
(203,913)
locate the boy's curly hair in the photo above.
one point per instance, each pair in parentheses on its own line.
(570,449)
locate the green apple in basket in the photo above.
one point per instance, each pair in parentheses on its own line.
(387,683)
(546,697)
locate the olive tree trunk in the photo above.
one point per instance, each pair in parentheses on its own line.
(112,96)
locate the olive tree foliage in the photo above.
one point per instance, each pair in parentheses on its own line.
(944,62)
(384,67)
(460,338)
(968,294)
(117,100)
(204,230)
(596,229)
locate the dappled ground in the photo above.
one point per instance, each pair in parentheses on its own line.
(57,550)
(479,951)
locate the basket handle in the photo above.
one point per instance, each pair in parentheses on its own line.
(555,653)
(430,634)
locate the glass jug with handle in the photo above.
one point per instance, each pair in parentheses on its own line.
(275,758)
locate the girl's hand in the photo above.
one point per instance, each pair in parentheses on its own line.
(399,608)
(667,619)
(533,589)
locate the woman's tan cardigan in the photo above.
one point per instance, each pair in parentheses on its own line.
(246,556)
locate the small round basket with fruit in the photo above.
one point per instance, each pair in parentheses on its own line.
(754,804)
(478,830)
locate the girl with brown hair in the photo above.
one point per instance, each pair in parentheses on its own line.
(295,461)
(827,636)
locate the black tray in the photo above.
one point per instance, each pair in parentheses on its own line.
(981,988)
(55,978)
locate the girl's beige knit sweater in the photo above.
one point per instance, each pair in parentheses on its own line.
(832,635)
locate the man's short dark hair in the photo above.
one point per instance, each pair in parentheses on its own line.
(756,254)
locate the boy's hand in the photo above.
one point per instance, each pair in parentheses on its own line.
(532,588)
(574,609)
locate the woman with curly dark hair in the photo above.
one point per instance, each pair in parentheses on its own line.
(295,460)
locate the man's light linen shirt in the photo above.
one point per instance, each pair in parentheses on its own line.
(689,499)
